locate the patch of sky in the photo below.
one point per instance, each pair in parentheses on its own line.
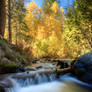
(63,3)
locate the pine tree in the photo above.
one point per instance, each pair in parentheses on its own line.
(9,21)
(2,17)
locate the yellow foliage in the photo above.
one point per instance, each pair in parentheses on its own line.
(48,34)
(61,9)
(55,7)
(46,29)
(31,6)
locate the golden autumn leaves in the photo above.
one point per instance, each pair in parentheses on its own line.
(45,27)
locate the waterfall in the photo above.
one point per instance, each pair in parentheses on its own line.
(37,79)
(48,83)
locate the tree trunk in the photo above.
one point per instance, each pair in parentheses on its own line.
(9,21)
(16,40)
(2,17)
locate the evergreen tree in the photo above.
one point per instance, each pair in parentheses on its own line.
(2,17)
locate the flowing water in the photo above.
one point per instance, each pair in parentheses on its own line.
(44,83)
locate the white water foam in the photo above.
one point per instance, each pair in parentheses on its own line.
(68,84)
(46,87)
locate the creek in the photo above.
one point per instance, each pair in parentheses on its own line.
(44,83)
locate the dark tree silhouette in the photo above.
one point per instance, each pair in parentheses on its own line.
(9,21)
(2,17)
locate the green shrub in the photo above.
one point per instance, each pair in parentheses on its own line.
(8,64)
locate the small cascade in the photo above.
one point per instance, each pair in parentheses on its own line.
(15,85)
(37,79)
(48,83)
(25,82)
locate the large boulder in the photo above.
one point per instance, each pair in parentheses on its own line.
(83,67)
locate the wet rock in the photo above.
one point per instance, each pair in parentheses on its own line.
(38,67)
(6,83)
(2,89)
(83,67)
(62,64)
(29,69)
(35,61)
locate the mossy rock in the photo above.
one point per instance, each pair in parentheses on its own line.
(8,67)
(13,57)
